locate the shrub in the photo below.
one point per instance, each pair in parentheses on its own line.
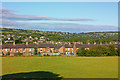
(44,55)
(8,54)
(118,52)
(35,51)
(98,51)
(15,54)
(112,51)
(71,53)
(81,51)
(19,54)
(48,55)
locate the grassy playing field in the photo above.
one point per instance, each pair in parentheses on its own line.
(67,67)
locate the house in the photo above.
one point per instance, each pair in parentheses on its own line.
(44,49)
(43,38)
(27,49)
(114,42)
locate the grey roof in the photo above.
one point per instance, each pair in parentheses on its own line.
(50,45)
(27,46)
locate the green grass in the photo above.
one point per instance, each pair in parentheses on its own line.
(67,67)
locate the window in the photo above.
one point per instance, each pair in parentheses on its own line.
(11,49)
(68,52)
(30,49)
(5,49)
(72,50)
(48,50)
(16,49)
(51,49)
(41,49)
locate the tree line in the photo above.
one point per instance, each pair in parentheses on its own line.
(58,36)
(99,51)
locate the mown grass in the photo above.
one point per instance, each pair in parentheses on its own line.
(67,67)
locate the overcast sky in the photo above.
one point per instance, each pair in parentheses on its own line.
(65,17)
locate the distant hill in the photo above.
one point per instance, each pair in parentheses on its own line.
(64,36)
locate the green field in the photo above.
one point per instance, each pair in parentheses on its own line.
(66,67)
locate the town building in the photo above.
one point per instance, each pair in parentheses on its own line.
(45,49)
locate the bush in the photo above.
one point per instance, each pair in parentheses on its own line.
(71,53)
(118,52)
(48,55)
(81,51)
(15,54)
(99,51)
(35,51)
(8,54)
(44,55)
(19,54)
(112,51)
(39,54)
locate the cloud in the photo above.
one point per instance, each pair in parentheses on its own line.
(59,27)
(11,20)
(10,14)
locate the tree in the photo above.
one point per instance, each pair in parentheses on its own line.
(18,40)
(93,51)
(81,51)
(48,55)
(8,54)
(11,38)
(35,51)
(118,52)
(97,51)
(15,54)
(44,55)
(19,53)
(103,50)
(112,51)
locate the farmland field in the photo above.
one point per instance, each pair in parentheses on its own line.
(66,67)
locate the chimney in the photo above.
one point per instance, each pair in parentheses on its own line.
(94,43)
(81,42)
(110,43)
(69,42)
(53,42)
(116,43)
(37,43)
(63,48)
(106,43)
(13,42)
(74,49)
(1,42)
(26,42)
(100,43)
(47,49)
(88,43)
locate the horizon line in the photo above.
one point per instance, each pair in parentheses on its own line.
(67,31)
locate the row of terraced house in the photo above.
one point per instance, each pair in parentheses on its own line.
(44,49)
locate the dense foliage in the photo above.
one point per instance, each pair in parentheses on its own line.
(99,51)
(35,51)
(61,36)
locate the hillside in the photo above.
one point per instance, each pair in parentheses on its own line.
(61,36)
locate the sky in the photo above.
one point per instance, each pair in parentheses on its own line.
(61,16)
